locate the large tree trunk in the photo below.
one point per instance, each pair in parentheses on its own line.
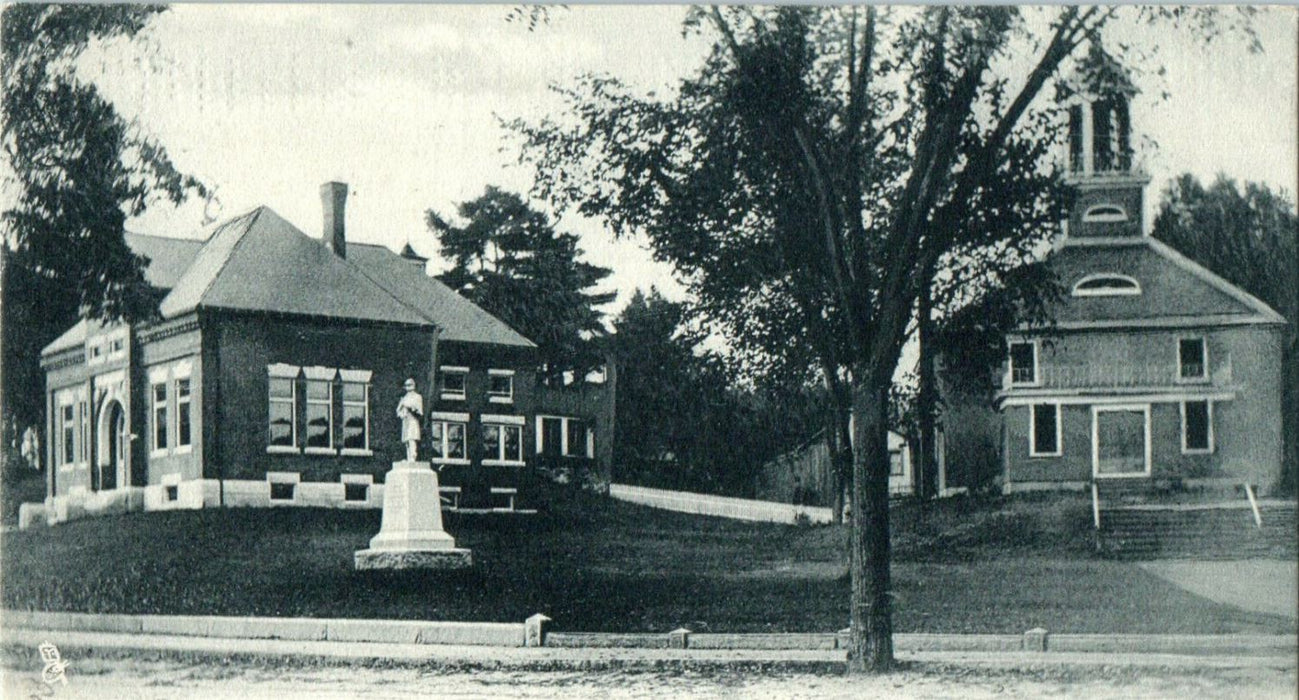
(871,644)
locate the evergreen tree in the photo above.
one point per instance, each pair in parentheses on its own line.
(508,258)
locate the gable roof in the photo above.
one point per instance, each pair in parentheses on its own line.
(260,262)
(1175,291)
(73,337)
(460,319)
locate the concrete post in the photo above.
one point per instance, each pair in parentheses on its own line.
(679,638)
(1035,639)
(534,630)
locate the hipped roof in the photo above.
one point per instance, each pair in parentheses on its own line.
(259,262)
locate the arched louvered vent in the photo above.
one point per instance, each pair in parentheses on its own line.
(1105,285)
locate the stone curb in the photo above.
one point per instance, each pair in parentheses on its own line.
(494,634)
(533,633)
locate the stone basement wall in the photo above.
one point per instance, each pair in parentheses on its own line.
(204,493)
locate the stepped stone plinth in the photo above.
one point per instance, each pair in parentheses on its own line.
(411,535)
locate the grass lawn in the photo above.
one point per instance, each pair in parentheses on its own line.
(594,564)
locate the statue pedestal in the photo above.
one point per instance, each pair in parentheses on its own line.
(411,534)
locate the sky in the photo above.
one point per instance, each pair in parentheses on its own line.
(266,102)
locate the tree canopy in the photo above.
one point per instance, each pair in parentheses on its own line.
(76,170)
(79,168)
(508,258)
(825,169)
(683,420)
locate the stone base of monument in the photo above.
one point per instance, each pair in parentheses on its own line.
(411,535)
(395,560)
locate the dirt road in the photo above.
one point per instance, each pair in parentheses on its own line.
(976,677)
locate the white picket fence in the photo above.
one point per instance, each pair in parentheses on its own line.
(719,506)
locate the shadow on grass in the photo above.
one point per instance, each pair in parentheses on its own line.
(594,564)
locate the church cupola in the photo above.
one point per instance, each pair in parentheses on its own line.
(1106,184)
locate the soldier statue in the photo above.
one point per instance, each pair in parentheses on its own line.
(411,413)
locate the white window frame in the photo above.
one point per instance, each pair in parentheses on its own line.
(361,377)
(117,346)
(319,375)
(64,400)
(158,378)
(1204,359)
(445,395)
(1032,430)
(1134,290)
(289,372)
(1037,364)
(1144,408)
(588,449)
(1208,428)
(447,419)
(181,371)
(498,397)
(902,463)
(83,428)
(68,434)
(505,422)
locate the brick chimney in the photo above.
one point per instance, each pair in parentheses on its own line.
(333,199)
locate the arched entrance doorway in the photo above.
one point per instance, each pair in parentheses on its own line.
(113,445)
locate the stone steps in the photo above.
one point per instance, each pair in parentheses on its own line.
(1221,531)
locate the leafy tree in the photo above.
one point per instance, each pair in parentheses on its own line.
(77,171)
(509,259)
(683,421)
(1251,238)
(851,159)
(665,386)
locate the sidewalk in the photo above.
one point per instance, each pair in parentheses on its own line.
(599,659)
(1257,585)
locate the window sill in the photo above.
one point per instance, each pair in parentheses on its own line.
(1042,455)
(1186,451)
(353,452)
(183,450)
(1192,380)
(500,399)
(281,450)
(452,397)
(450,461)
(155,454)
(503,463)
(1133,475)
(319,451)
